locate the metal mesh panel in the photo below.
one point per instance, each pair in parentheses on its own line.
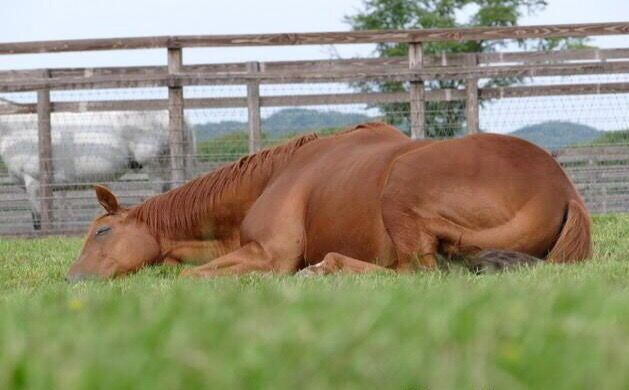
(588,135)
(129,151)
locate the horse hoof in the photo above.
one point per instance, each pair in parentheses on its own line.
(306,273)
(187,273)
(313,270)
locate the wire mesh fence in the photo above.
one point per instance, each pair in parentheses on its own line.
(129,151)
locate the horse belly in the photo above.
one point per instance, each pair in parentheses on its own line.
(353,229)
(344,215)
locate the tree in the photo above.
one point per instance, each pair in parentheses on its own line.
(445,118)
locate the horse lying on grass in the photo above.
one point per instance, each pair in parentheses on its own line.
(367,199)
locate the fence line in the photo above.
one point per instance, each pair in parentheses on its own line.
(181,79)
(444,59)
(326,38)
(46,170)
(439,95)
(417,69)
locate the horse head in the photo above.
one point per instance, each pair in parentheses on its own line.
(115,244)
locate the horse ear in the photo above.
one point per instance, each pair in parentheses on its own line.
(106,199)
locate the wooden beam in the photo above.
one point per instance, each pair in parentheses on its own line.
(555,90)
(337,98)
(332,65)
(253,109)
(326,38)
(176,121)
(8,106)
(327,99)
(533,57)
(368,74)
(471,101)
(417,92)
(46,170)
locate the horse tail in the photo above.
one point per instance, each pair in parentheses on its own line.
(575,241)
(573,244)
(497,260)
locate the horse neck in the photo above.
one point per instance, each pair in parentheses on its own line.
(213,206)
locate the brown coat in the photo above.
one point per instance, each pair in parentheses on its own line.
(368,199)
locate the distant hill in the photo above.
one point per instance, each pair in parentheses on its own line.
(291,120)
(557,134)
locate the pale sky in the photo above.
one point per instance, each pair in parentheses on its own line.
(31,20)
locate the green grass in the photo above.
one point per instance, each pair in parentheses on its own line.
(545,327)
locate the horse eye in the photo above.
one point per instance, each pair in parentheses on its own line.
(102,230)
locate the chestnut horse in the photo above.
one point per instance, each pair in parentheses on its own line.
(366,199)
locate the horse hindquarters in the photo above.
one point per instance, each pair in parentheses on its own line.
(573,244)
(481,198)
(532,231)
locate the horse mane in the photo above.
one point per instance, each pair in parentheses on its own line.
(183,209)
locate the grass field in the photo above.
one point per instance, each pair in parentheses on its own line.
(547,327)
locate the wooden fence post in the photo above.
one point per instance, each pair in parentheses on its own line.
(46,172)
(176,120)
(417,91)
(253,109)
(471,101)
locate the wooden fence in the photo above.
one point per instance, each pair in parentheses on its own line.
(416,69)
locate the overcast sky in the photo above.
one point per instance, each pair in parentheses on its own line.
(32,20)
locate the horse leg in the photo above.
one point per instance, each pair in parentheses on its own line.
(336,262)
(251,257)
(171,261)
(198,252)
(415,245)
(32,190)
(36,217)
(426,250)
(415,242)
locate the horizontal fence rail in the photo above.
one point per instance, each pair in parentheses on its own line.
(440,95)
(445,59)
(327,38)
(600,172)
(306,76)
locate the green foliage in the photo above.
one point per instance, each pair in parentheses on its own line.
(550,135)
(282,122)
(557,134)
(231,146)
(226,147)
(613,138)
(445,118)
(299,120)
(206,131)
(549,327)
